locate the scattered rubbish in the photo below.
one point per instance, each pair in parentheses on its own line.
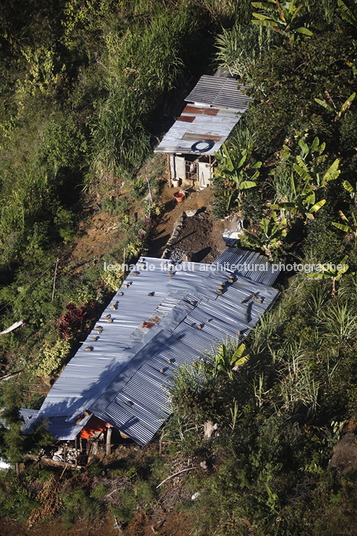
(190,213)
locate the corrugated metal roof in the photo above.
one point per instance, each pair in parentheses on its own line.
(145,390)
(217,107)
(58,427)
(249,264)
(122,379)
(217,91)
(195,124)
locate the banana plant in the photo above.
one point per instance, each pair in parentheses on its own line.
(285,17)
(306,166)
(352,190)
(234,175)
(331,271)
(333,108)
(315,151)
(312,176)
(270,237)
(304,204)
(227,359)
(346,13)
(351,228)
(307,163)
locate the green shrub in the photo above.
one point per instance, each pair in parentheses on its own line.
(16,502)
(99,492)
(52,356)
(78,505)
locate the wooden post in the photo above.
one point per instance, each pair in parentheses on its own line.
(147,180)
(124,265)
(76,448)
(54,279)
(169,169)
(109,444)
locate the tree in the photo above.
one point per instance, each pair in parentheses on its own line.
(14,443)
(13,440)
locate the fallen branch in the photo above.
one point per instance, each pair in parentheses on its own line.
(48,461)
(111,493)
(10,375)
(11,328)
(64,469)
(175,474)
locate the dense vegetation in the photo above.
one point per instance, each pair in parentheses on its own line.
(85,89)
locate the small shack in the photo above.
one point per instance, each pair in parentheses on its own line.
(214,107)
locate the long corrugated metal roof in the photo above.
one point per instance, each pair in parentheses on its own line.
(217,91)
(153,319)
(145,390)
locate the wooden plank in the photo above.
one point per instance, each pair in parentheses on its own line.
(200,110)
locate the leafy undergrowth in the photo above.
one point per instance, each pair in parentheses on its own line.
(122,488)
(278,416)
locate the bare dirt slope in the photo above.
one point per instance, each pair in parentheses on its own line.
(200,235)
